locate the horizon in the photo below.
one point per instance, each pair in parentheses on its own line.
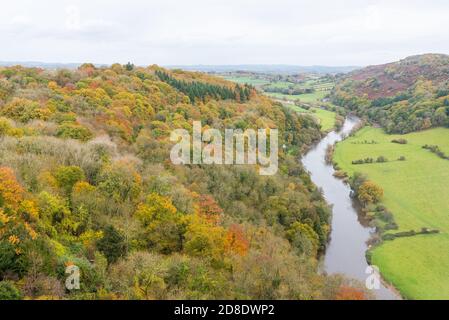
(103,64)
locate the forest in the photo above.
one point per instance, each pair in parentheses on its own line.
(86,181)
(405,96)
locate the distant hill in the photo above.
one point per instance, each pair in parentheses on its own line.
(44,65)
(409,95)
(261,68)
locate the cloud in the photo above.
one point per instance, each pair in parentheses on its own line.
(221,32)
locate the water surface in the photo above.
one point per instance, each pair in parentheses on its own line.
(345,253)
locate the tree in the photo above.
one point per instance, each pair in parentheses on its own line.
(209,208)
(304,238)
(11,192)
(57,218)
(68,176)
(112,245)
(236,241)
(163,227)
(350,293)
(120,181)
(129,66)
(204,239)
(369,192)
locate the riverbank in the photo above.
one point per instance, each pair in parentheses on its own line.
(415,192)
(346,250)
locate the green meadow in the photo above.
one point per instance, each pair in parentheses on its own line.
(307,97)
(322,87)
(247,80)
(325,118)
(416,191)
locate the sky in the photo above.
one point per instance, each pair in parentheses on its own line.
(218,32)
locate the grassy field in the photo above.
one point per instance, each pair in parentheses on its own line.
(249,80)
(326,118)
(322,87)
(417,193)
(307,98)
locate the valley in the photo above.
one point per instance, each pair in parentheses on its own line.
(302,93)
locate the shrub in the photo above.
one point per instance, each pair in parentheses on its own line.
(381,159)
(8,291)
(436,150)
(399,141)
(24,110)
(73,131)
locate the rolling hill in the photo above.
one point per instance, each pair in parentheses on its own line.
(404,96)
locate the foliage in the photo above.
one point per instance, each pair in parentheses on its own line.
(199,90)
(163,226)
(72,131)
(8,291)
(68,176)
(405,96)
(85,180)
(369,192)
(112,244)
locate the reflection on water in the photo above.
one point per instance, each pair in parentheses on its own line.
(345,253)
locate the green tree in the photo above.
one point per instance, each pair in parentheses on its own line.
(68,176)
(112,245)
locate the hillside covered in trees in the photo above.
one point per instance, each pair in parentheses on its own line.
(405,96)
(86,180)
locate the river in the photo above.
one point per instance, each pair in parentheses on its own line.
(345,253)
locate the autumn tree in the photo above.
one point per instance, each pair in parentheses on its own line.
(369,192)
(11,192)
(68,176)
(209,208)
(236,241)
(163,226)
(350,293)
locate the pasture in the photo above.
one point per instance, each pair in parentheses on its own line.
(417,193)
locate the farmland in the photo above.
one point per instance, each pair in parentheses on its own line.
(325,118)
(286,88)
(307,88)
(415,191)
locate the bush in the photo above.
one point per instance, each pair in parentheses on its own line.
(363,161)
(74,131)
(399,141)
(436,150)
(8,291)
(381,159)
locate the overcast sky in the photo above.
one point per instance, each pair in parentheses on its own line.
(167,32)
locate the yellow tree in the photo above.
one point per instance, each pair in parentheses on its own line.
(369,192)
